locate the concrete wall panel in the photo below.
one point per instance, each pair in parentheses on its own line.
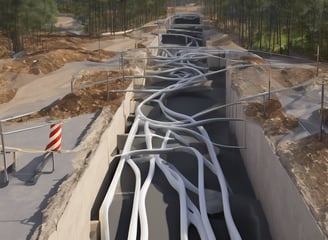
(286,211)
(75,221)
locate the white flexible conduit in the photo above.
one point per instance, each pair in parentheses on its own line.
(134,216)
(142,204)
(103,216)
(182,74)
(177,183)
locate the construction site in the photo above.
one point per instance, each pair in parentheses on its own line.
(168,131)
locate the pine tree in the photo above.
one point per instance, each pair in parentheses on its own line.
(19,17)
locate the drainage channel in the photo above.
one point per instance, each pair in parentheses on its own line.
(177,176)
(162,201)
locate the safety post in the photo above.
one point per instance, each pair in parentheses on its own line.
(55,141)
(55,137)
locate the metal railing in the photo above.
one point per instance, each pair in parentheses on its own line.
(322,80)
(4,149)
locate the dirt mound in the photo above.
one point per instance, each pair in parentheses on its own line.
(288,77)
(227,41)
(306,161)
(44,54)
(140,45)
(252,59)
(254,79)
(43,42)
(46,62)
(84,100)
(86,77)
(6,95)
(88,100)
(271,116)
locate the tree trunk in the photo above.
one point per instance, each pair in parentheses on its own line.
(288,32)
(17,41)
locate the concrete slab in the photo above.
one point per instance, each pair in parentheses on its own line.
(21,205)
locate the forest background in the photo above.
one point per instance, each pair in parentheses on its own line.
(292,27)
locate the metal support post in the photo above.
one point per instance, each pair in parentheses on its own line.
(99,46)
(158,41)
(322,78)
(107,86)
(4,154)
(53,162)
(122,65)
(269,87)
(322,109)
(14,162)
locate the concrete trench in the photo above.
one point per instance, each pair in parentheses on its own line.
(162,202)
(256,178)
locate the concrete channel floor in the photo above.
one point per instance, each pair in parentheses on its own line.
(162,200)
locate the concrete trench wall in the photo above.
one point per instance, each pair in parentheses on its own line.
(285,209)
(286,212)
(75,221)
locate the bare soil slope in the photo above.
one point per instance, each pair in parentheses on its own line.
(54,53)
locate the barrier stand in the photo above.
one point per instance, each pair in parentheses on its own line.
(6,179)
(54,145)
(38,170)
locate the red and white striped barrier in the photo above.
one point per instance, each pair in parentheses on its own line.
(55,138)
